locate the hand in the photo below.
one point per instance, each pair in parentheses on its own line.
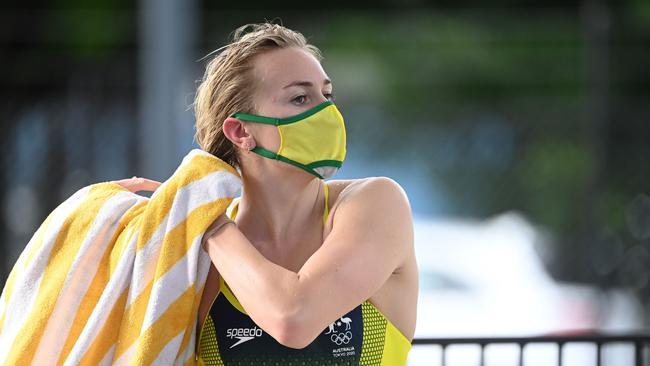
(214,228)
(136,184)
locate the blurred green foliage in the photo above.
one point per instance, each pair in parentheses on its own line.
(90,31)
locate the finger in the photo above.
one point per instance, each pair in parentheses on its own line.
(145,184)
(139,184)
(127,183)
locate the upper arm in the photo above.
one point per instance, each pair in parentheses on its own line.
(371,234)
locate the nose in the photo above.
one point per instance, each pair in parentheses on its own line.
(322,99)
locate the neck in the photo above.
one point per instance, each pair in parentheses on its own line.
(278,203)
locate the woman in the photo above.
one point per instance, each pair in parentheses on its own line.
(304,271)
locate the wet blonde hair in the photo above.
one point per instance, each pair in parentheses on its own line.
(227,85)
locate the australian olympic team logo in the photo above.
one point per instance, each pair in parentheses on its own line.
(340,337)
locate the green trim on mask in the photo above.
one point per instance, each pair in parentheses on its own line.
(282,121)
(320,163)
(308,168)
(264,152)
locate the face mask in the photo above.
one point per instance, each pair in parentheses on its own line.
(313,140)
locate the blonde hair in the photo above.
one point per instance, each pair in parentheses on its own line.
(227,85)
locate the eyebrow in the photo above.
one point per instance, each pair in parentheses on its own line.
(307,83)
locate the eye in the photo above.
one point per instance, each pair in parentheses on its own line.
(301,99)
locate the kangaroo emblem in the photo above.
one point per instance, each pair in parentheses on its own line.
(345,320)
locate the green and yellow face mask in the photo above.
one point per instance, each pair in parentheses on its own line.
(313,140)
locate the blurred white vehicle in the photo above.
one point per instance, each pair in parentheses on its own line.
(485,279)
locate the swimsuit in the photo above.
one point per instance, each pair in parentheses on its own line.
(363,336)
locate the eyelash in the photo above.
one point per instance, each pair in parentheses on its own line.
(329,96)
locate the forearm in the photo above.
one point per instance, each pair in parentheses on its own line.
(267,291)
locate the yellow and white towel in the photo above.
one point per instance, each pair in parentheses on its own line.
(115,278)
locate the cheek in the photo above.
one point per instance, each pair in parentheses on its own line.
(268,137)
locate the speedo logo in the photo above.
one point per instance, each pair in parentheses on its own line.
(243,334)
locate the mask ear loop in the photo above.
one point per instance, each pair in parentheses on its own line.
(261,119)
(282,121)
(266,153)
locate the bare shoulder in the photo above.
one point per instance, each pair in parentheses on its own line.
(365,189)
(380,201)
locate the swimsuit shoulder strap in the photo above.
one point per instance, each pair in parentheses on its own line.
(327,209)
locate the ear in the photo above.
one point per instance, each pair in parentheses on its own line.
(236,131)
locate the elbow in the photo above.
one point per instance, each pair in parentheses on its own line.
(293,331)
(292,323)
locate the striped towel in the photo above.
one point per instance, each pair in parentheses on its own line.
(115,278)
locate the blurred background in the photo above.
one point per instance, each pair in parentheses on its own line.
(519,129)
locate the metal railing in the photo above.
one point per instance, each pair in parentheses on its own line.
(639,341)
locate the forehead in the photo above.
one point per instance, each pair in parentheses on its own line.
(279,67)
